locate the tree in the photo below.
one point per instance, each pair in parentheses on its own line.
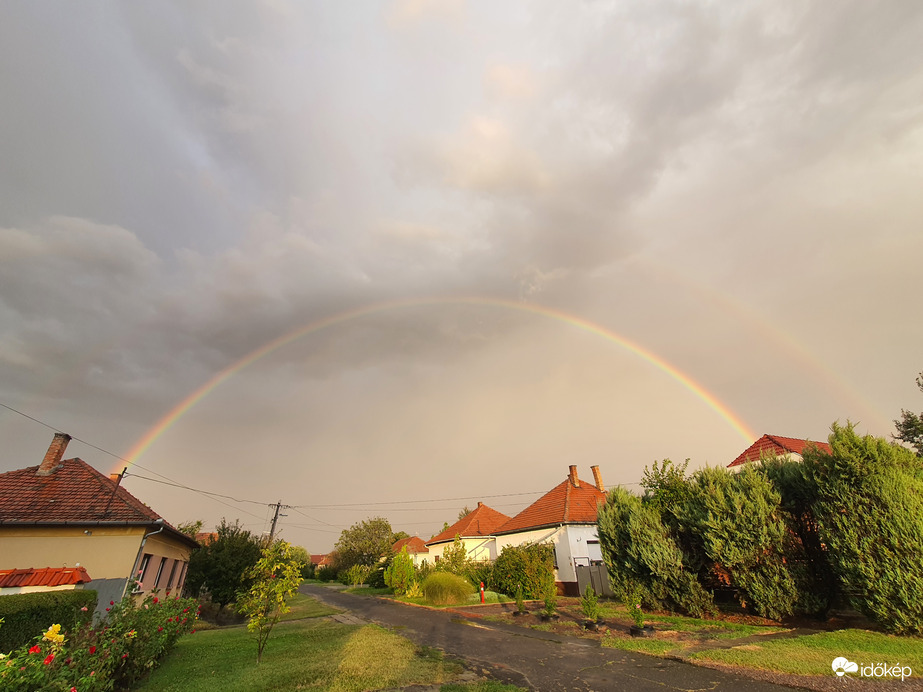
(400,574)
(399,536)
(221,566)
(190,528)
(273,580)
(464,512)
(910,426)
(364,543)
(454,558)
(665,485)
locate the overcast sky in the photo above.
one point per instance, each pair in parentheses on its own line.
(733,188)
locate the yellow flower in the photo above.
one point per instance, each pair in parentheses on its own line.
(54,635)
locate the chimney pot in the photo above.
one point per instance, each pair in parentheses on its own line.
(573,476)
(599,479)
(115,477)
(480,504)
(54,454)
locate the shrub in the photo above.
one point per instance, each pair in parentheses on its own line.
(400,574)
(869,511)
(326,573)
(113,655)
(524,565)
(376,578)
(454,558)
(640,551)
(218,568)
(734,519)
(445,588)
(589,603)
(355,575)
(480,572)
(26,615)
(549,593)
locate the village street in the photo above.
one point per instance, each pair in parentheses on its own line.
(540,661)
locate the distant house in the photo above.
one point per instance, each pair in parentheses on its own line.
(320,560)
(476,531)
(416,549)
(564,517)
(776,445)
(65,514)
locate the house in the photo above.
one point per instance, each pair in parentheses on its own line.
(565,517)
(65,514)
(476,531)
(416,549)
(776,445)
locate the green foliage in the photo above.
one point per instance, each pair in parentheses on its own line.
(326,573)
(632,600)
(454,558)
(191,528)
(639,549)
(520,600)
(524,566)
(480,572)
(115,654)
(665,485)
(589,603)
(364,543)
(400,575)
(446,588)
(910,426)
(869,511)
(303,558)
(376,577)
(735,521)
(274,579)
(549,593)
(220,567)
(355,575)
(26,615)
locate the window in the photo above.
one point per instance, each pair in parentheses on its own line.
(142,570)
(182,577)
(172,575)
(163,562)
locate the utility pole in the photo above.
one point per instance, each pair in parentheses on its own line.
(275,518)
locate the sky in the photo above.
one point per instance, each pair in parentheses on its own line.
(393,258)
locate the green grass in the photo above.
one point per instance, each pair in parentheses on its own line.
(707,629)
(306,607)
(812,654)
(307,654)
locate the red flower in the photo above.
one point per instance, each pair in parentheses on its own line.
(48,659)
(160,629)
(92,649)
(111,602)
(124,655)
(155,599)
(35,649)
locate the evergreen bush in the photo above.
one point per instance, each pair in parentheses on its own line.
(641,552)
(400,574)
(445,588)
(869,511)
(734,519)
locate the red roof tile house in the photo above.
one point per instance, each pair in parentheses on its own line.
(65,514)
(476,531)
(416,549)
(775,445)
(565,517)
(45,579)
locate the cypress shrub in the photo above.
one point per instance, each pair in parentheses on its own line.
(445,588)
(522,565)
(29,614)
(736,521)
(869,511)
(641,553)
(400,574)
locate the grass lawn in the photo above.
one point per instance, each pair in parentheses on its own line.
(306,653)
(813,654)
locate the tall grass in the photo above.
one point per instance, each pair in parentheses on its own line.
(445,588)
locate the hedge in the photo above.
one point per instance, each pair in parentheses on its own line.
(29,614)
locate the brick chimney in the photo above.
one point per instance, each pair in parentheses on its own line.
(599,479)
(54,454)
(573,477)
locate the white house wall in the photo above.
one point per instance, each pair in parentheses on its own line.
(571,546)
(479,549)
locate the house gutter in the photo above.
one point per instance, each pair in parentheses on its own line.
(141,552)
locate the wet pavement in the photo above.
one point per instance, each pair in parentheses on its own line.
(541,661)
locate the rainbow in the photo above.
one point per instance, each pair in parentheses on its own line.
(164,424)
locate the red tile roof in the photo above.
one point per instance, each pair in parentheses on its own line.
(566,503)
(46,576)
(74,493)
(414,545)
(775,444)
(483,521)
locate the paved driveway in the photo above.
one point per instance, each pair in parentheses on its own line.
(537,660)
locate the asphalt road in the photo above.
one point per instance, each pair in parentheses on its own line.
(540,661)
